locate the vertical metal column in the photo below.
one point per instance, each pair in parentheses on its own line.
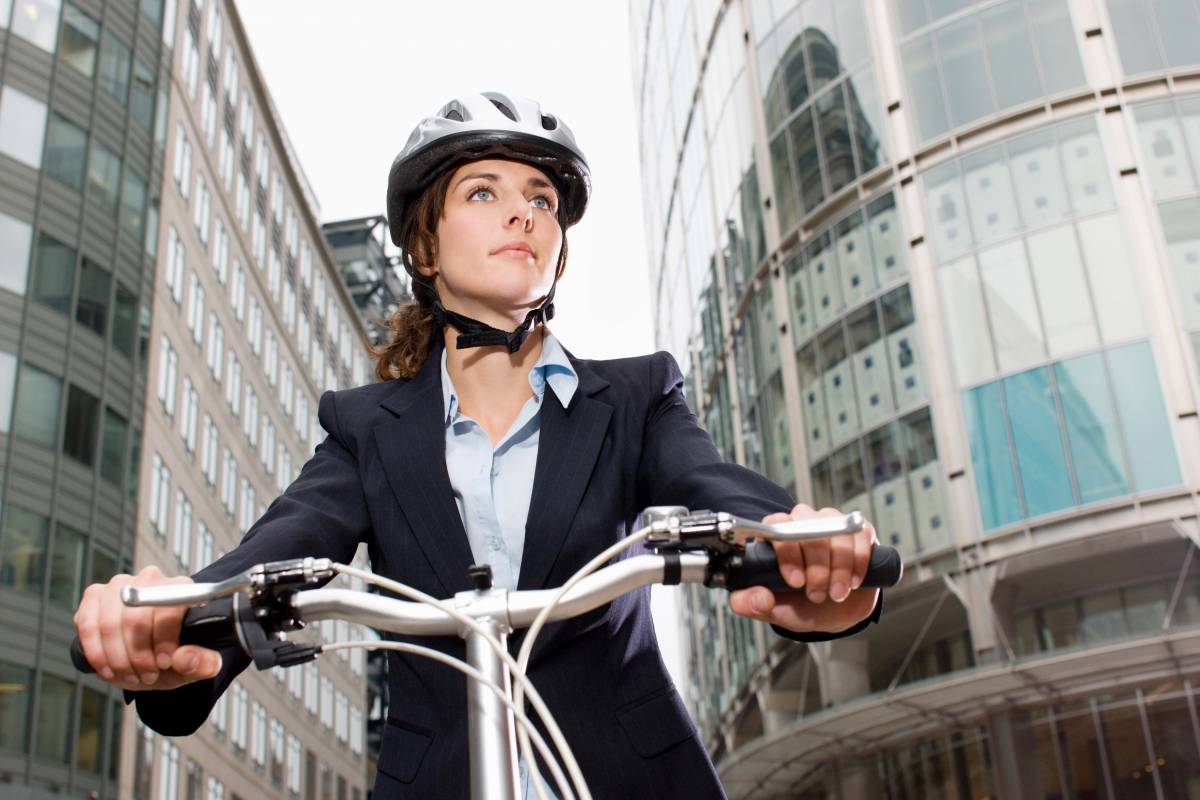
(491,727)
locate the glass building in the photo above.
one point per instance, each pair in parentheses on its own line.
(939,260)
(82,88)
(377,286)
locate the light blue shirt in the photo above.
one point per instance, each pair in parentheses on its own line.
(492,485)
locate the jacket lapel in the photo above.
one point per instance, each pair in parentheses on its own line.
(412,446)
(568,445)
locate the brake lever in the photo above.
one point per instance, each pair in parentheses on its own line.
(677,528)
(270,578)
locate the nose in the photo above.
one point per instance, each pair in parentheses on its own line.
(521,214)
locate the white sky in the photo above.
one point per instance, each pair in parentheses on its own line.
(350,80)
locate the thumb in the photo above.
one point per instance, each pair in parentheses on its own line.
(196,663)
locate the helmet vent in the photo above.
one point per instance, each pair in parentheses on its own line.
(505,110)
(454,114)
(549,122)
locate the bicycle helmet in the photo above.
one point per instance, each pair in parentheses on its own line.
(468,128)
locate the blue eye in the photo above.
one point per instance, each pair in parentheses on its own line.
(480,190)
(545,202)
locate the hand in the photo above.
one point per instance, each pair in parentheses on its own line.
(138,648)
(829,571)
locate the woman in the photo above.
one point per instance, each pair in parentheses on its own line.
(485,441)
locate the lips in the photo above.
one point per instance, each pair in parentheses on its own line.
(514,249)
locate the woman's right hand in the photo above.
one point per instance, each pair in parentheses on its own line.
(138,648)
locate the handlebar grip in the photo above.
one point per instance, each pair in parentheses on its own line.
(760,568)
(212,625)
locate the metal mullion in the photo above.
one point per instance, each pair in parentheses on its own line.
(1064,439)
(1190,695)
(1149,741)
(1098,729)
(1179,583)
(1059,758)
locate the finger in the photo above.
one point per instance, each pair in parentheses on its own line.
(110,621)
(863,544)
(778,516)
(841,566)
(790,556)
(138,629)
(167,623)
(816,569)
(194,663)
(755,602)
(796,613)
(87,625)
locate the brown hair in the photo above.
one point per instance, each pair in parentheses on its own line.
(412,326)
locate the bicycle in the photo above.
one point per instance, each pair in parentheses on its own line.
(255,609)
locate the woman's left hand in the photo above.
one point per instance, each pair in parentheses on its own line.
(826,575)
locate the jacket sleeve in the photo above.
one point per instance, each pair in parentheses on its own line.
(322,514)
(680,465)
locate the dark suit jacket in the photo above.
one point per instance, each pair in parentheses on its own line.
(626,441)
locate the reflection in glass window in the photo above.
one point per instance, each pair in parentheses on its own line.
(1036,172)
(903,349)
(962,303)
(834,122)
(114,67)
(1037,440)
(925,87)
(889,491)
(1012,307)
(1062,288)
(36,21)
(1143,417)
(15,703)
(104,178)
(82,425)
(66,567)
(77,43)
(946,207)
(15,239)
(1155,34)
(1164,150)
(993,209)
(23,550)
(991,456)
(812,402)
(1010,53)
(1110,271)
(142,95)
(53,274)
(8,382)
(862,93)
(849,480)
(22,125)
(133,204)
(66,151)
(808,161)
(1093,435)
(95,284)
(968,96)
(112,447)
(104,564)
(55,715)
(855,264)
(124,329)
(839,386)
(872,382)
(924,480)
(36,415)
(823,272)
(88,746)
(1181,229)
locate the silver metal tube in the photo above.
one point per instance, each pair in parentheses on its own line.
(493,757)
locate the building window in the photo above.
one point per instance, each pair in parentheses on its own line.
(258,734)
(168,374)
(233,383)
(168,776)
(208,450)
(124,328)
(182,167)
(181,542)
(112,447)
(216,347)
(248,506)
(77,42)
(22,125)
(114,67)
(15,706)
(66,151)
(229,482)
(37,407)
(173,265)
(36,21)
(95,285)
(195,311)
(16,237)
(53,274)
(293,763)
(142,105)
(1154,35)
(189,414)
(104,178)
(240,712)
(8,383)
(277,752)
(189,69)
(160,496)
(23,550)
(204,546)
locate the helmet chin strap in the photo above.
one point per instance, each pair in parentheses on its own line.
(473,333)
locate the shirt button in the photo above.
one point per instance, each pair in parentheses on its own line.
(494,544)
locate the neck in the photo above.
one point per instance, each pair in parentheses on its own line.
(487,373)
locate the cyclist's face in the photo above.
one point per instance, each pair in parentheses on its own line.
(498,241)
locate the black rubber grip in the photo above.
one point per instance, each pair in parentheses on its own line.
(760,568)
(212,625)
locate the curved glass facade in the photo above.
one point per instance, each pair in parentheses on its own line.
(935,260)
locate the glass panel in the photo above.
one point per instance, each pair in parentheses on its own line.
(15,239)
(991,457)
(8,382)
(1056,40)
(66,144)
(1181,227)
(1115,290)
(799,298)
(142,97)
(925,88)
(1063,292)
(862,95)
(1143,417)
(990,195)
(23,550)
(899,323)
(839,391)
(819,37)
(887,240)
(82,425)
(1125,741)
(91,726)
(830,109)
(1175,744)
(872,383)
(773,413)
(55,714)
(1164,150)
(115,715)
(1012,308)
(37,21)
(849,484)
(1041,192)
(104,177)
(1189,115)
(95,285)
(1092,430)
(968,92)
(1085,166)
(77,44)
(124,328)
(54,274)
(889,491)
(1102,617)
(946,205)
(853,41)
(1179,27)
(911,14)
(1060,625)
(36,417)
(22,126)
(1010,55)
(1146,607)
(104,564)
(1136,42)
(962,302)
(1081,754)
(14,707)
(133,204)
(796,90)
(854,259)
(808,162)
(114,67)
(785,185)
(66,567)
(812,402)
(1037,438)
(112,454)
(823,271)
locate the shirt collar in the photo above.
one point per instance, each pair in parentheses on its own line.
(552,367)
